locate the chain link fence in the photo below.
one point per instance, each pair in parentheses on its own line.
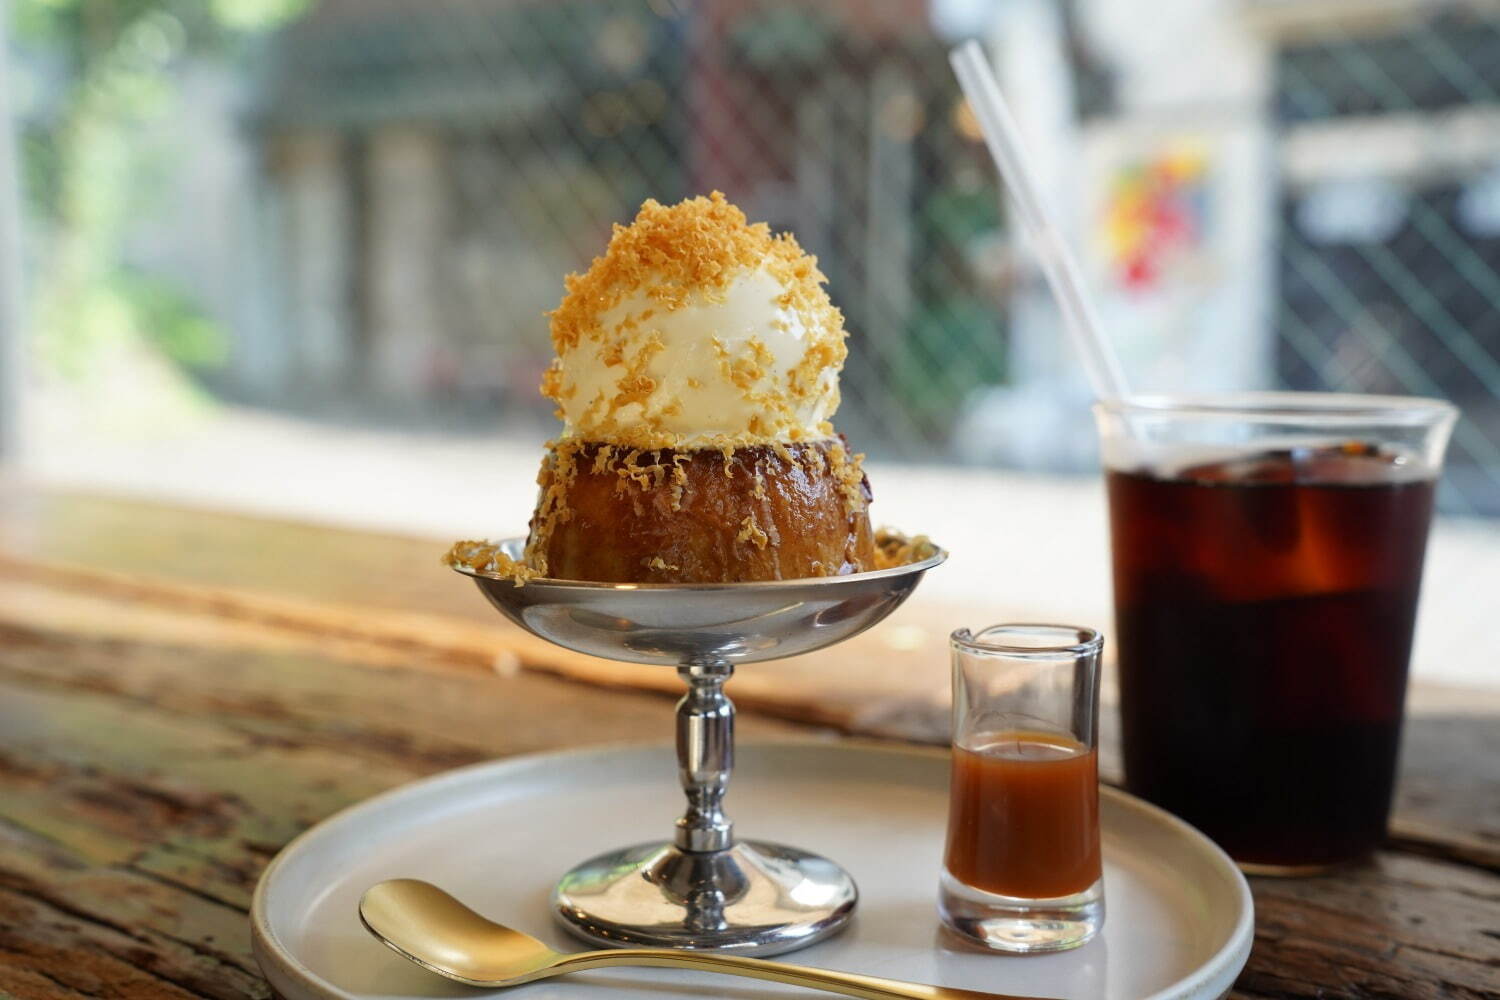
(368,205)
(1406,299)
(537,125)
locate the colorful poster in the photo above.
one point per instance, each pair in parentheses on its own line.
(1155,216)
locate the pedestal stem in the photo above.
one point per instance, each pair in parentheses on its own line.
(705,755)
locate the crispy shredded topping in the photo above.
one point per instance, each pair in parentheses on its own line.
(849,471)
(892,548)
(672,253)
(555,479)
(752,532)
(486,557)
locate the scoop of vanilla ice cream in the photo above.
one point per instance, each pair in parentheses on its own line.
(720,366)
(697,330)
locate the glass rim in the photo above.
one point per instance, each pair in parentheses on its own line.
(1289,406)
(1084,641)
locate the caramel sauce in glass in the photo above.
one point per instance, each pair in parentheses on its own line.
(1024,815)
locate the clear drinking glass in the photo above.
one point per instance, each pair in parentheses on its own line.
(1022,871)
(1268,552)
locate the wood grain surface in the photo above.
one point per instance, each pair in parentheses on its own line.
(182,692)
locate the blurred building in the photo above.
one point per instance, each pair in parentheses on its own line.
(432,174)
(379,199)
(433,177)
(1281,193)
(1388,214)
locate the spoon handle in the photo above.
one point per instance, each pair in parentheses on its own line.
(850,984)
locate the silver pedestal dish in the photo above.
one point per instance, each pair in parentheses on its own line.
(703,890)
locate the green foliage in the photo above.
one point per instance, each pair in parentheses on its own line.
(41,171)
(256,15)
(783,37)
(129,306)
(954,216)
(173,322)
(90,173)
(85,29)
(952,348)
(954,344)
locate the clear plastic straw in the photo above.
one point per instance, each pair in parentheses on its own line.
(1058,264)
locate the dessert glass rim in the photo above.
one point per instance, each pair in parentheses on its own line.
(514,546)
(1283,405)
(988,641)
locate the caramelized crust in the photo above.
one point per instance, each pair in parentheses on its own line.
(756,512)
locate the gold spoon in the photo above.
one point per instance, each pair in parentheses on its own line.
(425,924)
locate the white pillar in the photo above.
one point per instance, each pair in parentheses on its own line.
(405,219)
(1026,43)
(1194,71)
(888,223)
(815,182)
(11,354)
(320,217)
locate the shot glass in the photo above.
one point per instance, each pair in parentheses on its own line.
(1022,871)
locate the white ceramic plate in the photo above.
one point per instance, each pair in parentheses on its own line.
(497,835)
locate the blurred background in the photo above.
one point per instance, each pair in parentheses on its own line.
(294,255)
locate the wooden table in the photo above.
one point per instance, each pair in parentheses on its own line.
(182,692)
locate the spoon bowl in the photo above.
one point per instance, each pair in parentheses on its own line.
(426,925)
(436,931)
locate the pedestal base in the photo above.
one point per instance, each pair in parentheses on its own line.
(754,898)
